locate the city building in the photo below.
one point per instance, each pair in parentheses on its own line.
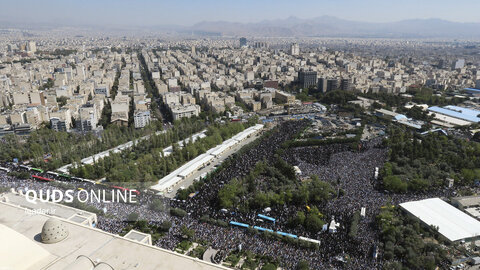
(332,84)
(294,49)
(322,85)
(31,46)
(260,45)
(102,89)
(451,222)
(180,111)
(283,97)
(69,241)
(141,118)
(345,85)
(243,42)
(88,118)
(454,115)
(58,125)
(307,78)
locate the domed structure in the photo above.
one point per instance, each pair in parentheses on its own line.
(53,231)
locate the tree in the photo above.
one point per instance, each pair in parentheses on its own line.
(320,191)
(178,212)
(299,219)
(228,193)
(165,226)
(187,233)
(269,266)
(132,217)
(157,205)
(395,184)
(260,200)
(62,101)
(313,222)
(303,265)
(476,137)
(418,184)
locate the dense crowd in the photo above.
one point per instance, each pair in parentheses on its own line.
(348,170)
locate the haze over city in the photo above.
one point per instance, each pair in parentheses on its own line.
(189,12)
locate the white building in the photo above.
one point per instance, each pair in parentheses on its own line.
(88,118)
(294,49)
(180,111)
(141,118)
(451,222)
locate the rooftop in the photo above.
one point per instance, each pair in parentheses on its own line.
(452,223)
(457,112)
(28,253)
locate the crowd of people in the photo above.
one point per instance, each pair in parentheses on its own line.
(352,171)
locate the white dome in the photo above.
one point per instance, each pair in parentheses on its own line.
(53,231)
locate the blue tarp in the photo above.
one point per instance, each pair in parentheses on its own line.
(287,234)
(239,224)
(267,218)
(262,229)
(472,90)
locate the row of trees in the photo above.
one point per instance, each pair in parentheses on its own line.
(48,149)
(145,162)
(422,95)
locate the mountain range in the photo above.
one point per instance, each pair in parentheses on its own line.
(328,26)
(323,26)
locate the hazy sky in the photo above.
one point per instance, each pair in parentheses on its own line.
(188,12)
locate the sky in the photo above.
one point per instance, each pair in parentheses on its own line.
(189,12)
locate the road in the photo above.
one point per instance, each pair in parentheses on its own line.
(189,180)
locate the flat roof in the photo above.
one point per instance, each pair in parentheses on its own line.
(139,236)
(451,222)
(457,112)
(18,248)
(57,210)
(117,251)
(387,112)
(186,169)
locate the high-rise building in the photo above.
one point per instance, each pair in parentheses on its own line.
(260,45)
(11,47)
(193,50)
(295,49)
(322,85)
(307,78)
(345,85)
(460,63)
(243,42)
(31,46)
(332,84)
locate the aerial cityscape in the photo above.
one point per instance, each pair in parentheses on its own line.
(265,135)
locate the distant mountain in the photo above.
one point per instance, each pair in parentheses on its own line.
(324,26)
(327,26)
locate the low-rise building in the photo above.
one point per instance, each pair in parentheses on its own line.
(180,111)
